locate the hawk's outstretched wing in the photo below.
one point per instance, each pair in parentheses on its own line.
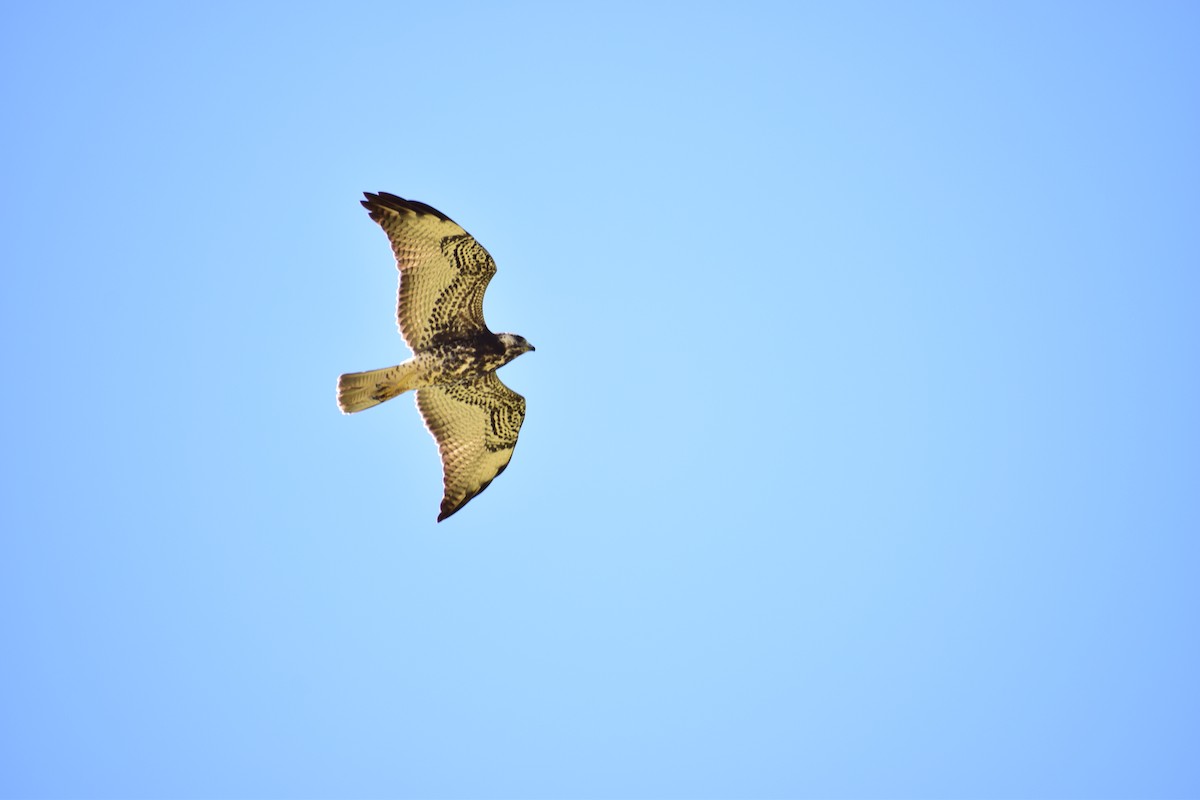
(476,425)
(443,270)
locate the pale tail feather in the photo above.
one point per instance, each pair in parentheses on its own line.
(359,390)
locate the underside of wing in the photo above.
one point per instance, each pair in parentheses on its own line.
(443,270)
(476,425)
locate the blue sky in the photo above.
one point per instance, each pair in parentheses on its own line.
(861,454)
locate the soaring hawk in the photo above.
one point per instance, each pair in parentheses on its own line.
(473,417)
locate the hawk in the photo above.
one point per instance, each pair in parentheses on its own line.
(473,417)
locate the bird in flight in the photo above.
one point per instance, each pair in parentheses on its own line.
(473,417)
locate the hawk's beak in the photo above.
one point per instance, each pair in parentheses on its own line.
(532,349)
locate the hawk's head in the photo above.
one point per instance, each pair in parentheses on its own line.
(514,345)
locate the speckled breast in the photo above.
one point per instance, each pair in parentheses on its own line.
(455,360)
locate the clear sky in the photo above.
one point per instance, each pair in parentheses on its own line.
(862,453)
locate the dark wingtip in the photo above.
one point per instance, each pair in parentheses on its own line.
(396,203)
(449,511)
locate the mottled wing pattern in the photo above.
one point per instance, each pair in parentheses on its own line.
(476,425)
(443,270)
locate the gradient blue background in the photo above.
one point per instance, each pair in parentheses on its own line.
(862,451)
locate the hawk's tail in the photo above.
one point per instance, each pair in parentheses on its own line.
(359,390)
